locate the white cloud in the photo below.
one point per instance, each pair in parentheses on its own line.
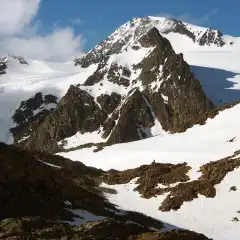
(60,45)
(16,15)
(19,34)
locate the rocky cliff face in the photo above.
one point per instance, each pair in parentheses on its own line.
(3,65)
(174,93)
(140,92)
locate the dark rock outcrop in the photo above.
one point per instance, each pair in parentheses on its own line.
(128,123)
(30,113)
(3,65)
(98,75)
(211,36)
(186,102)
(20,59)
(119,75)
(109,103)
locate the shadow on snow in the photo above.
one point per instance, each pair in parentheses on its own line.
(218,84)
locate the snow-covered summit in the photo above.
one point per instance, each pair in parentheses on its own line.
(200,35)
(181,35)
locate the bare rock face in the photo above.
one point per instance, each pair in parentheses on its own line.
(3,65)
(211,36)
(131,121)
(179,101)
(109,103)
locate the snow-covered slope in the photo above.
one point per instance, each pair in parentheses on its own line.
(197,146)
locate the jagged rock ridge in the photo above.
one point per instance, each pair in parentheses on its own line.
(127,97)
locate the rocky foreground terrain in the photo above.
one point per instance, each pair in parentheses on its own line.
(48,197)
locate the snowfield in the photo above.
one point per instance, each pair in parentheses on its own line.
(218,70)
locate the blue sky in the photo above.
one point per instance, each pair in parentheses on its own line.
(60,30)
(96,19)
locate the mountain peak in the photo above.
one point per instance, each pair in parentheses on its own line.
(170,28)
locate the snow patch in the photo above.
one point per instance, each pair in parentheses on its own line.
(23,139)
(82,217)
(81,139)
(49,164)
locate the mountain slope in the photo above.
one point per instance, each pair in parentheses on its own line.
(157,88)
